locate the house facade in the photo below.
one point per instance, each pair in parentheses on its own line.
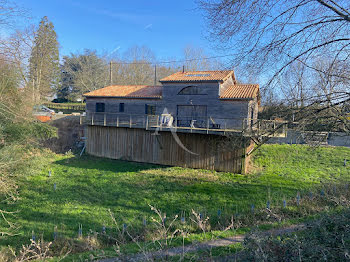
(197,100)
(182,122)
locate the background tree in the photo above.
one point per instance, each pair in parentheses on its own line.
(196,59)
(271,38)
(10,12)
(82,73)
(17,49)
(275,33)
(44,61)
(136,67)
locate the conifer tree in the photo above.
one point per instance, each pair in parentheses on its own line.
(44,61)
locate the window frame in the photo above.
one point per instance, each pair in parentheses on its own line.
(197,88)
(121,107)
(150,109)
(100,107)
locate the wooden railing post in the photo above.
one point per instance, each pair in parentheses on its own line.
(92,119)
(118,121)
(130,121)
(147,119)
(208,126)
(104,119)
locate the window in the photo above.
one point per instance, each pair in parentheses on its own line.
(100,107)
(150,109)
(121,107)
(192,90)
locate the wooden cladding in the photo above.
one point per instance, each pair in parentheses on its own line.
(140,145)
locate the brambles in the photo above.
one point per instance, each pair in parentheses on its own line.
(326,238)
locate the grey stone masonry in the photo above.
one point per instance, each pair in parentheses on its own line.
(200,107)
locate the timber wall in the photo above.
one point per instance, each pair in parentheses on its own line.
(141,145)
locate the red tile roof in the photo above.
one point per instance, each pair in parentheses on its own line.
(241,91)
(197,76)
(127,91)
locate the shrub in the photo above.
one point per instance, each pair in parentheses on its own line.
(326,239)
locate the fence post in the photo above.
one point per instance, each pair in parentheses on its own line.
(147,122)
(117,121)
(104,119)
(92,119)
(130,121)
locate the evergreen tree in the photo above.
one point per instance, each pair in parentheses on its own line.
(82,73)
(44,61)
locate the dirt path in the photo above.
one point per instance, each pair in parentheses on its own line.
(150,256)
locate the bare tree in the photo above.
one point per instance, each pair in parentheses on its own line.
(10,12)
(295,85)
(139,66)
(17,48)
(275,33)
(196,59)
(300,47)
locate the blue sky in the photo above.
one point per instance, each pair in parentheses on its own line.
(106,26)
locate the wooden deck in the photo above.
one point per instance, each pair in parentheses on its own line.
(204,151)
(217,126)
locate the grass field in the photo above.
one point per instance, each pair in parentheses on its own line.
(87,187)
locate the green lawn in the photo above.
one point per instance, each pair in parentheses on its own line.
(87,187)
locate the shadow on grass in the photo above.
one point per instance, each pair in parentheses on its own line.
(106,164)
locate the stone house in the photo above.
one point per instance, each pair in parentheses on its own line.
(195,99)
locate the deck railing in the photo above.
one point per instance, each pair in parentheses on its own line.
(186,124)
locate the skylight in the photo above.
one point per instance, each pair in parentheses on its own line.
(200,75)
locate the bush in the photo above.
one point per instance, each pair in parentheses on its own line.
(327,239)
(24,132)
